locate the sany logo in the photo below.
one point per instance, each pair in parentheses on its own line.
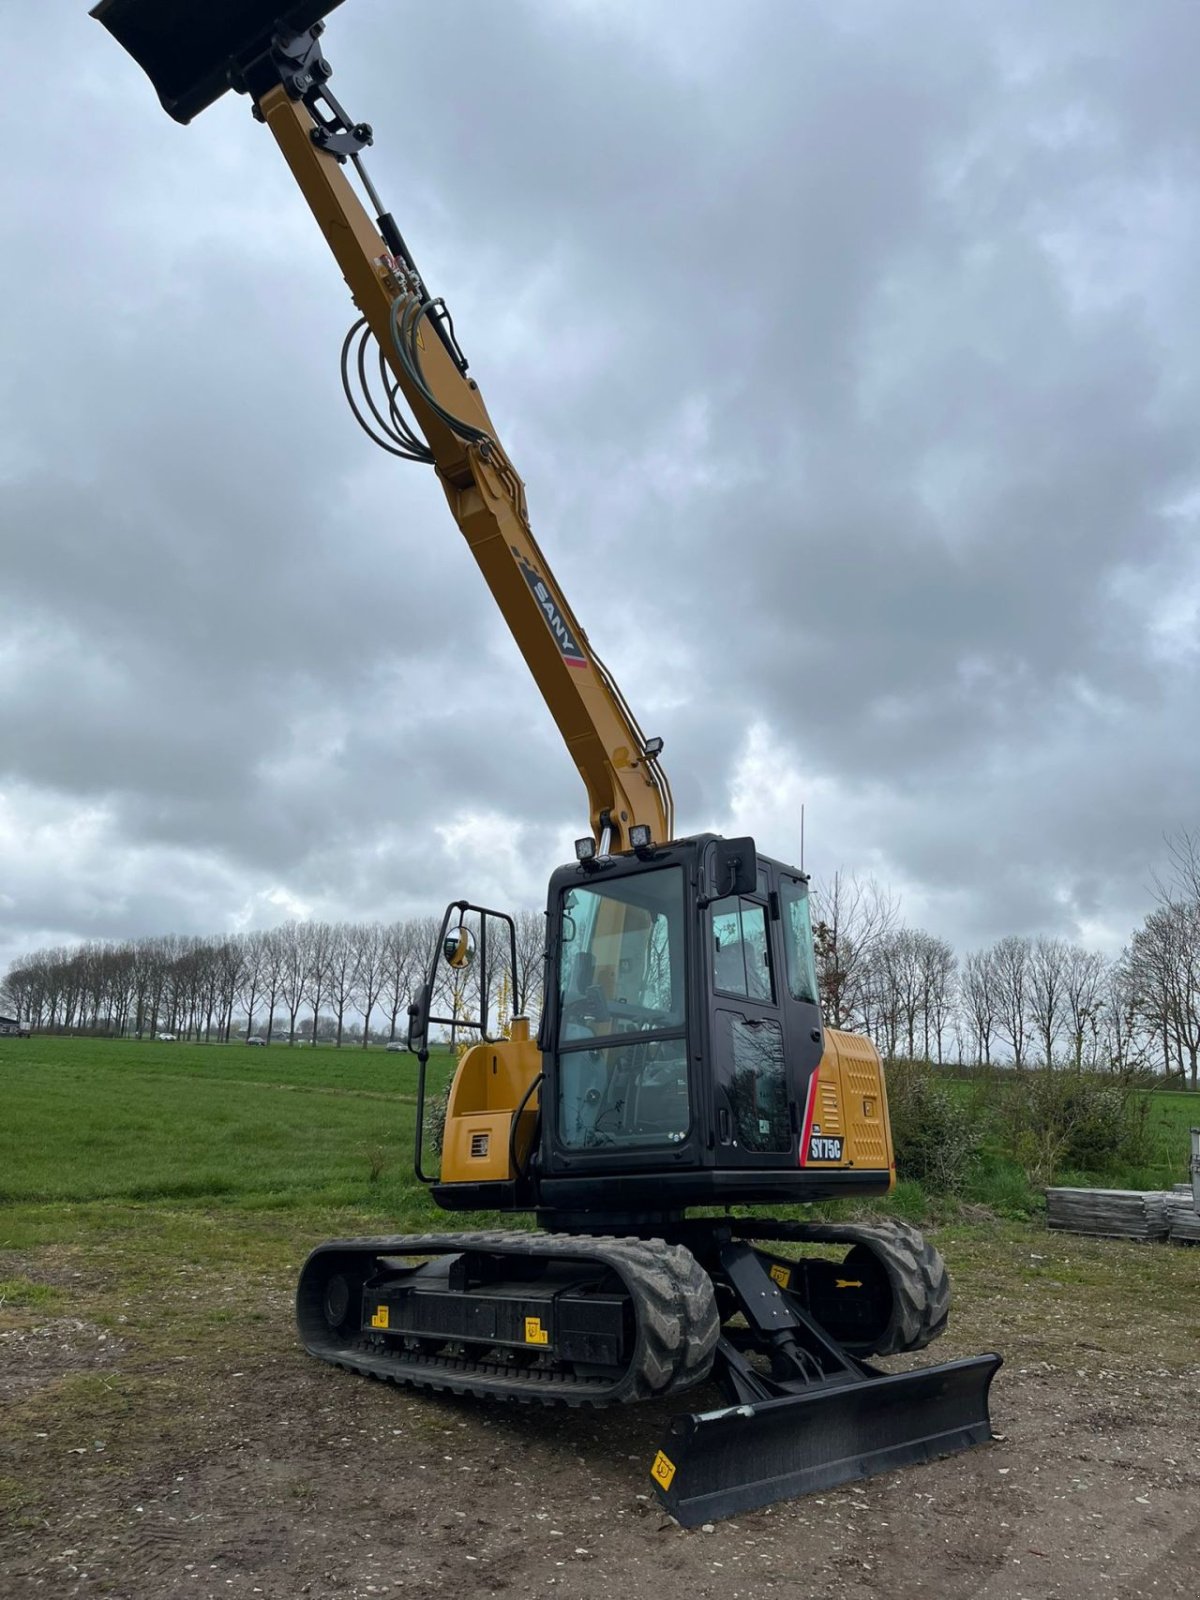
(563,637)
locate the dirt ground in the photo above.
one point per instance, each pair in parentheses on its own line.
(219,1464)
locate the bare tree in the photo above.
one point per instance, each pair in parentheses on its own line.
(1121,1023)
(1164,960)
(231,959)
(979,997)
(341,967)
(316,943)
(531,957)
(907,997)
(293,972)
(275,948)
(371,971)
(939,987)
(1083,991)
(250,983)
(851,918)
(405,952)
(1010,967)
(1047,992)
(1183,849)
(897,967)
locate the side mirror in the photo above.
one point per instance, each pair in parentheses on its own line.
(418,1020)
(734,867)
(458,947)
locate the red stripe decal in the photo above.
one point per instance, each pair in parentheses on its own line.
(810,1102)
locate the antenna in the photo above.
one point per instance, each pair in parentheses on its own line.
(801,836)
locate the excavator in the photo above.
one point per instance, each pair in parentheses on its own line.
(681,1078)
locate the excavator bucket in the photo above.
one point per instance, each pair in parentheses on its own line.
(715,1464)
(189,48)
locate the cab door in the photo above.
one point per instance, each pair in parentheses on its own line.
(755,1116)
(803,1033)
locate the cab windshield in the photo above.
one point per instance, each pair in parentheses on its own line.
(622,1058)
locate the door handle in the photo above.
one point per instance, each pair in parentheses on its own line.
(723,1124)
(794,1116)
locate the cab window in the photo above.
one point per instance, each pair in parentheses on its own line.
(798,940)
(622,1054)
(741,963)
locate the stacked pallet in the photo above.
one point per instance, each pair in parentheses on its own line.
(1126,1213)
(1114,1213)
(1182,1216)
(1132,1213)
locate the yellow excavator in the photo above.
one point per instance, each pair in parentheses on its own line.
(680,1069)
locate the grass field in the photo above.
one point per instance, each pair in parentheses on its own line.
(1171,1115)
(162,1432)
(85,1120)
(116,1120)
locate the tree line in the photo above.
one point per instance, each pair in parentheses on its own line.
(338,982)
(1021,1001)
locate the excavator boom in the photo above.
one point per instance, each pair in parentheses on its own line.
(193,51)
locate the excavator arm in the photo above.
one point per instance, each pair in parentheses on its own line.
(272,52)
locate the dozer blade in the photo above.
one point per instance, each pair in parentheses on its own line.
(188,48)
(714,1464)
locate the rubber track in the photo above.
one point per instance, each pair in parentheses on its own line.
(915,1269)
(675,1307)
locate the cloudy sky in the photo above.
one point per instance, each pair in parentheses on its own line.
(849,354)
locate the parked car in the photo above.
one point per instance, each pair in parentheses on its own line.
(164,1036)
(257,1038)
(395,1044)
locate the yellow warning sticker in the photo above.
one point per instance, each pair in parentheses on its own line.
(380,1319)
(781,1275)
(534,1332)
(849,1283)
(663,1470)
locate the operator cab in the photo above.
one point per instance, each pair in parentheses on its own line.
(677,1055)
(680,1030)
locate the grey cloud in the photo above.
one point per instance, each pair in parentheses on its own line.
(846,352)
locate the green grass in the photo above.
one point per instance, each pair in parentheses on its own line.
(156,1204)
(166,1195)
(20,1292)
(1172,1116)
(998,1182)
(131,1124)
(161,1197)
(116,1120)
